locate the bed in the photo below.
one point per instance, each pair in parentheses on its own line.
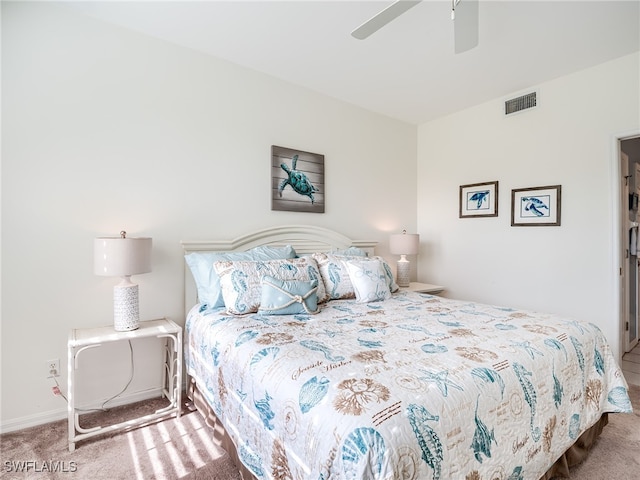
(385,385)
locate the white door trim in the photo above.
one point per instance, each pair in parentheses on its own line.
(617,249)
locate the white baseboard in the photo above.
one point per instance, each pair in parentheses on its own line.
(60,414)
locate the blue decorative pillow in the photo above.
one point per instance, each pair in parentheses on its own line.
(206,278)
(241,282)
(335,275)
(369,280)
(288,297)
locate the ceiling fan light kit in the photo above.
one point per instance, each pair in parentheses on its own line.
(465,21)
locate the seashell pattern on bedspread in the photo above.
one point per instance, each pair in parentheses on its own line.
(415,387)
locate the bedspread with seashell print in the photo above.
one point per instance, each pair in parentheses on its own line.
(415,387)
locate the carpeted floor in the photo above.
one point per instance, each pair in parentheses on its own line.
(185,449)
(169,449)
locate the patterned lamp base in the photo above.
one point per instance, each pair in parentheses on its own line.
(126,314)
(403,271)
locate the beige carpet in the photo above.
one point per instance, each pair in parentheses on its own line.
(185,449)
(169,449)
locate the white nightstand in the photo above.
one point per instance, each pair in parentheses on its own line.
(423,288)
(81,339)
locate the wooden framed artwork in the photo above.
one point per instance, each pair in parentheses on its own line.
(297,180)
(536,206)
(479,200)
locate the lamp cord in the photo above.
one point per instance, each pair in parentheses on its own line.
(102,407)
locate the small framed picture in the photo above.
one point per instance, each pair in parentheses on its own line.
(479,200)
(536,206)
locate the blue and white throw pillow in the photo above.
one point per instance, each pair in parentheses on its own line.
(207,280)
(336,276)
(369,280)
(241,281)
(288,297)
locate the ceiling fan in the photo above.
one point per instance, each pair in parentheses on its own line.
(464,15)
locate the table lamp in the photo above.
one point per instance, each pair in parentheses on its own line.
(404,244)
(122,257)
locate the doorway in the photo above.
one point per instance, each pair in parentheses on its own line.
(630,236)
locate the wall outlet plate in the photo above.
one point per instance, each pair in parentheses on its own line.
(53,368)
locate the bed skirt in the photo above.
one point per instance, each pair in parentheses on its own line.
(560,469)
(220,435)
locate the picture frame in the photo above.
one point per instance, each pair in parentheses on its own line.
(297,180)
(479,200)
(536,206)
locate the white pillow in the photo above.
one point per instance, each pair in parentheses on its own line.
(241,281)
(336,276)
(369,280)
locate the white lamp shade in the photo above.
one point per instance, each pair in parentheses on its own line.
(121,257)
(404,244)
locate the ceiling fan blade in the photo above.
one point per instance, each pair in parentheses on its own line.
(378,21)
(465,25)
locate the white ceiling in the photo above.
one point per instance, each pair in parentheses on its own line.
(408,69)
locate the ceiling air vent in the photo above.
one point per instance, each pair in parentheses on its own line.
(520,103)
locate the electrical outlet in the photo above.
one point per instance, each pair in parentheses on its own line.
(53,368)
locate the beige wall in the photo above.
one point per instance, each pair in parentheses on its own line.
(103,130)
(568,139)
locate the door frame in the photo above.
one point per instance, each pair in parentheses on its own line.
(630,343)
(619,240)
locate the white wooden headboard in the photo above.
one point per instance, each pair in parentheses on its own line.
(304,239)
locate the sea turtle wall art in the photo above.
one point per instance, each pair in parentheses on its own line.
(536,206)
(297,180)
(479,200)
